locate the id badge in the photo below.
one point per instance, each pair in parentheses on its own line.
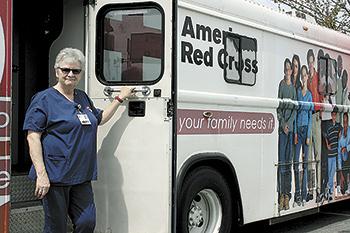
(84,119)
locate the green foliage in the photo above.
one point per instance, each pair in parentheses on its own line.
(334,14)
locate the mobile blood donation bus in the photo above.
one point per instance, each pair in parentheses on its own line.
(240,111)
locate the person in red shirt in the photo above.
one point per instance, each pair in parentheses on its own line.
(313,84)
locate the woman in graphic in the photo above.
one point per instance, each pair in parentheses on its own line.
(302,136)
(286,116)
(296,72)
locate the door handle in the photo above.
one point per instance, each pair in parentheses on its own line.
(144,90)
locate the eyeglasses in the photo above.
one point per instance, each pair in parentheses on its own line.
(66,71)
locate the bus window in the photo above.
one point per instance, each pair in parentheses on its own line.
(327,74)
(130,45)
(240,59)
(232,59)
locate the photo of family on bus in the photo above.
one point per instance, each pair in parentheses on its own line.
(313,135)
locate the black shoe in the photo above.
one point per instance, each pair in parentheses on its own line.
(309,197)
(297,199)
(319,197)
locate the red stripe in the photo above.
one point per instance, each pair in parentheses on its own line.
(5,218)
(4,149)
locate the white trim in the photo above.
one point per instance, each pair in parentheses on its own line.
(5,157)
(5,139)
(4,199)
(228,100)
(7,99)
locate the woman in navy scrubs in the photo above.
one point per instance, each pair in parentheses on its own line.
(62,125)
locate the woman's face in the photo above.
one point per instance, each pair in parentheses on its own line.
(69,73)
(295,67)
(304,76)
(311,63)
(288,70)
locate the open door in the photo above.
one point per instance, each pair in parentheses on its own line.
(129,43)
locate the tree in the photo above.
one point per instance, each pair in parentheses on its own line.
(334,14)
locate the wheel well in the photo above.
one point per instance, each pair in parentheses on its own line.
(220,163)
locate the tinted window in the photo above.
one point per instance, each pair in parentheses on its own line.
(131,45)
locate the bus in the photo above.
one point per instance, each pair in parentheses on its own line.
(239,115)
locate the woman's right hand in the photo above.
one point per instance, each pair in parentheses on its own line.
(126,92)
(42,185)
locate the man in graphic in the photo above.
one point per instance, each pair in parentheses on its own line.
(286,117)
(313,84)
(332,139)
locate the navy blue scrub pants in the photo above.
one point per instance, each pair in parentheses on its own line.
(77,201)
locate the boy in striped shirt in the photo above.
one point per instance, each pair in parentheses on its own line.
(332,138)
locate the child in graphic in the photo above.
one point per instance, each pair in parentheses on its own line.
(343,150)
(286,116)
(332,139)
(302,136)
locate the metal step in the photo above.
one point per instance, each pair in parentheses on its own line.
(27,219)
(27,214)
(22,189)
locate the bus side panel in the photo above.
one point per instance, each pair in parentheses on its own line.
(233,108)
(5,103)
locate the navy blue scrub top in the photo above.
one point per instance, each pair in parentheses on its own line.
(69,148)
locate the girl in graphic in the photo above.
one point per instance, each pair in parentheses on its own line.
(302,136)
(296,72)
(286,116)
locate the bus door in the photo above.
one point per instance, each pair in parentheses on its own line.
(129,44)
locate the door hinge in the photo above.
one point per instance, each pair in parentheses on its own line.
(170,108)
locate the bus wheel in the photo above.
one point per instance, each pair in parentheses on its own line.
(205,203)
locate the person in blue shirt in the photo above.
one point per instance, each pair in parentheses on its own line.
(61,124)
(302,136)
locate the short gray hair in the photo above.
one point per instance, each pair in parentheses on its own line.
(70,53)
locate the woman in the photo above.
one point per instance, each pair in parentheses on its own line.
(62,125)
(302,135)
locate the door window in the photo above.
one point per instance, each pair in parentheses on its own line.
(130,45)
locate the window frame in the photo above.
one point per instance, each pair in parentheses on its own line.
(238,36)
(99,51)
(328,60)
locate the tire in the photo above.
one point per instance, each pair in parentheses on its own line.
(204,203)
